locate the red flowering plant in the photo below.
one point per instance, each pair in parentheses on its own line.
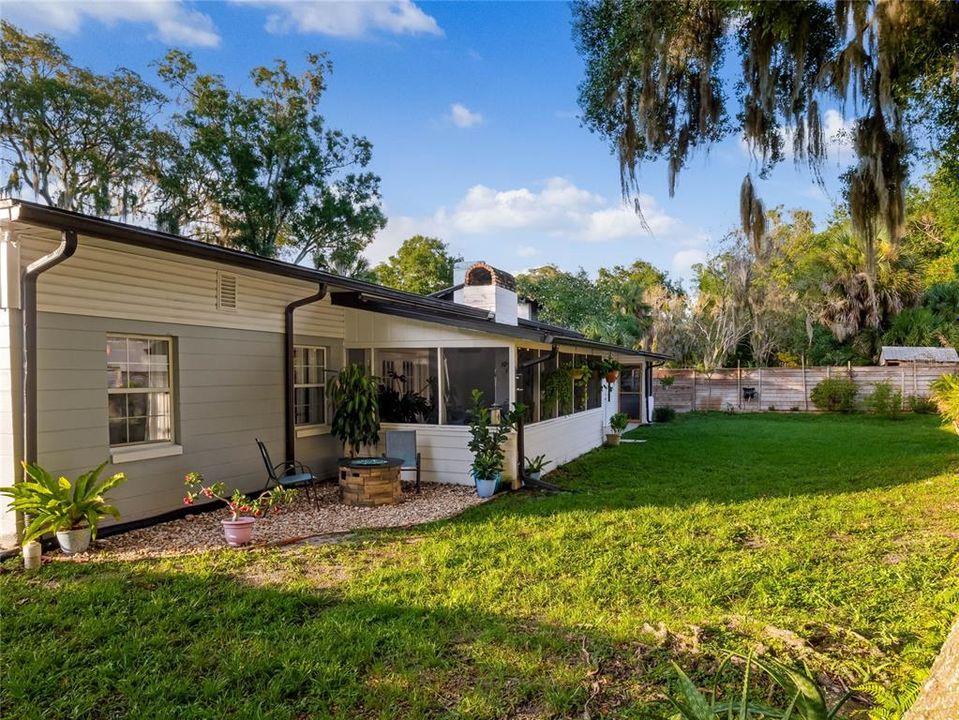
(237,503)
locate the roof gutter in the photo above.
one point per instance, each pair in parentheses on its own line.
(289,427)
(28,305)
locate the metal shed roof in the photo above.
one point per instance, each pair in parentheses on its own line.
(904,354)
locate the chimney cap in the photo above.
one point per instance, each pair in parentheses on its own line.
(481,273)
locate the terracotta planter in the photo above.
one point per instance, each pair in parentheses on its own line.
(612,439)
(612,376)
(238,532)
(73,542)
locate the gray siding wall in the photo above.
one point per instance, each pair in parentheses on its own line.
(228,391)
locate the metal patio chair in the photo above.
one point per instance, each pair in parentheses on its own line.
(294,474)
(401,444)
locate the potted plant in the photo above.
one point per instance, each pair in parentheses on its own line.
(356,415)
(243,510)
(610,367)
(617,425)
(486,443)
(534,466)
(72,510)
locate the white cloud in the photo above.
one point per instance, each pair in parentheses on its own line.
(346,19)
(525,251)
(557,209)
(462,117)
(173,21)
(684,260)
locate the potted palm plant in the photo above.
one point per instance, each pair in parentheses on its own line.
(71,510)
(617,425)
(243,509)
(486,443)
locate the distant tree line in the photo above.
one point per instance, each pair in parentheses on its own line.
(260,172)
(791,293)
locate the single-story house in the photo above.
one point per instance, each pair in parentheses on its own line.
(915,355)
(163,355)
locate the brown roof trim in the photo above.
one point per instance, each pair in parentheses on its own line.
(427,308)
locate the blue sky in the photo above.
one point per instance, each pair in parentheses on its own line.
(471,108)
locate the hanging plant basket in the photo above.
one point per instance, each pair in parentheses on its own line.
(576,374)
(612,376)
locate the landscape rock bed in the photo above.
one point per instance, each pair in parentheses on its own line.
(301,520)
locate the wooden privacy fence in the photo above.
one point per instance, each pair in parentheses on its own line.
(780,388)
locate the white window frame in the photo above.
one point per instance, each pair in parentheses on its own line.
(307,429)
(134,448)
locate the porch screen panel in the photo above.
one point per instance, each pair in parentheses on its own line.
(567,398)
(581,387)
(466,369)
(595,389)
(527,384)
(547,405)
(408,385)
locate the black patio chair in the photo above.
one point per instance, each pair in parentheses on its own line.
(294,474)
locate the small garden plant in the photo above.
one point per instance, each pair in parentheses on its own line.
(536,464)
(619,422)
(55,504)
(664,414)
(835,395)
(237,503)
(884,401)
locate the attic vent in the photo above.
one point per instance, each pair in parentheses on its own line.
(225,291)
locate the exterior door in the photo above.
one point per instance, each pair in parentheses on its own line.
(631,395)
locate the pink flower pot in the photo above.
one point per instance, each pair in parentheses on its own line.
(239,531)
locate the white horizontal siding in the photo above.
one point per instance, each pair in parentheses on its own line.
(564,439)
(111,280)
(445,457)
(367,329)
(8,436)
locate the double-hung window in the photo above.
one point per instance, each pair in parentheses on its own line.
(139,389)
(309,385)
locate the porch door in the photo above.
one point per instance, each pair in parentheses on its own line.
(631,393)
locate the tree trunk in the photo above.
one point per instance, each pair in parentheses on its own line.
(939,699)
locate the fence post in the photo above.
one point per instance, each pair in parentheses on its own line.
(694,389)
(760,403)
(739,384)
(805,395)
(915,384)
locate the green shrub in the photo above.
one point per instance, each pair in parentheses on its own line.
(945,393)
(921,405)
(835,395)
(663,413)
(885,401)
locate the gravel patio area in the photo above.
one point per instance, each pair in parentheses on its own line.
(301,520)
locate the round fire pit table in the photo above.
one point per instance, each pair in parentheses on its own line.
(370,481)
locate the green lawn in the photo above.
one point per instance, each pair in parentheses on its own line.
(824,538)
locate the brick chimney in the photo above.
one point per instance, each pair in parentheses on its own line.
(488,288)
